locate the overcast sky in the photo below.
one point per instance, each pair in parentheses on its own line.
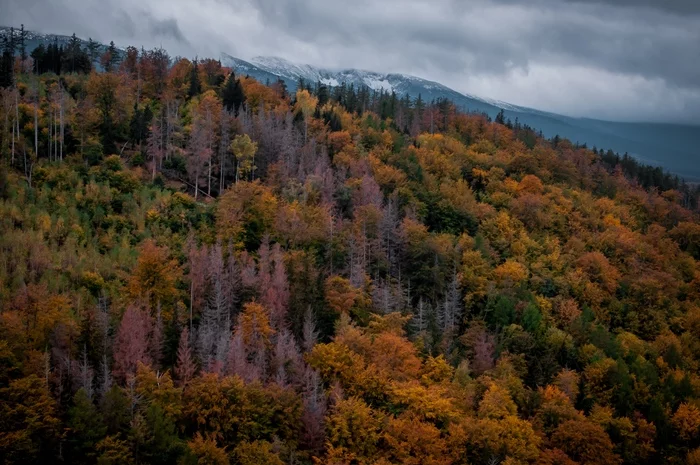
(615,59)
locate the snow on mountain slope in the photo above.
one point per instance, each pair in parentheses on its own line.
(673,146)
(292,72)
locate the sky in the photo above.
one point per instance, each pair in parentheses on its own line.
(628,60)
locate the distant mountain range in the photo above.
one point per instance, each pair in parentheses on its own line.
(675,147)
(34,39)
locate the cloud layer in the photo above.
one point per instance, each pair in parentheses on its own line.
(616,59)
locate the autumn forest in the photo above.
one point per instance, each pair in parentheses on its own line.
(200,268)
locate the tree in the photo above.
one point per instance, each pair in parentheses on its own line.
(195,84)
(92,49)
(131,343)
(246,213)
(199,151)
(155,148)
(274,287)
(207,452)
(86,427)
(353,431)
(185,368)
(114,451)
(102,89)
(7,74)
(411,441)
(75,59)
(496,403)
(256,453)
(154,278)
(340,294)
(500,118)
(244,150)
(686,421)
(111,58)
(585,442)
(29,427)
(305,105)
(232,96)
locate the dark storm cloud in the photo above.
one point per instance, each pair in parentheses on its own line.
(644,42)
(623,59)
(673,6)
(105,20)
(165,27)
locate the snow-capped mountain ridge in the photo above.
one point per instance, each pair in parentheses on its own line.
(647,141)
(399,83)
(374,80)
(675,146)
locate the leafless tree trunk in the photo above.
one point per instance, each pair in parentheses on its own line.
(223,149)
(15,123)
(36,121)
(63,127)
(210,136)
(49,126)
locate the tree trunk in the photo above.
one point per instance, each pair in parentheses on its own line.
(63,127)
(191,301)
(36,122)
(209,177)
(7,122)
(49,141)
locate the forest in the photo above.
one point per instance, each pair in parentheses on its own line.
(199,268)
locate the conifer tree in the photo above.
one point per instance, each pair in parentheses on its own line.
(195,84)
(185,368)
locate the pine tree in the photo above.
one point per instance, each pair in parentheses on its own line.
(232,96)
(111,58)
(85,426)
(22,45)
(92,49)
(195,84)
(185,368)
(8,45)
(500,118)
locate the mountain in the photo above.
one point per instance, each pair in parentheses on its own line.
(675,147)
(34,39)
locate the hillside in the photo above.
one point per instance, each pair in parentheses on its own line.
(672,146)
(198,268)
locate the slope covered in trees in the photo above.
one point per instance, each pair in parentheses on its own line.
(199,268)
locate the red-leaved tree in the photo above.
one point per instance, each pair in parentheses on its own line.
(131,344)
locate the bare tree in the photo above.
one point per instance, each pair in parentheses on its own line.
(309,331)
(86,377)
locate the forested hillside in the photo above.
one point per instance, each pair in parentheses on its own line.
(196,267)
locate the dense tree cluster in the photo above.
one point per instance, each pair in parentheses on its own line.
(196,267)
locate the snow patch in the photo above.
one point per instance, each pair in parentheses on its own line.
(378,84)
(329,81)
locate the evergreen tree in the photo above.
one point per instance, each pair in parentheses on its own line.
(8,46)
(232,96)
(75,59)
(22,43)
(92,49)
(195,84)
(86,428)
(323,94)
(500,118)
(39,57)
(283,88)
